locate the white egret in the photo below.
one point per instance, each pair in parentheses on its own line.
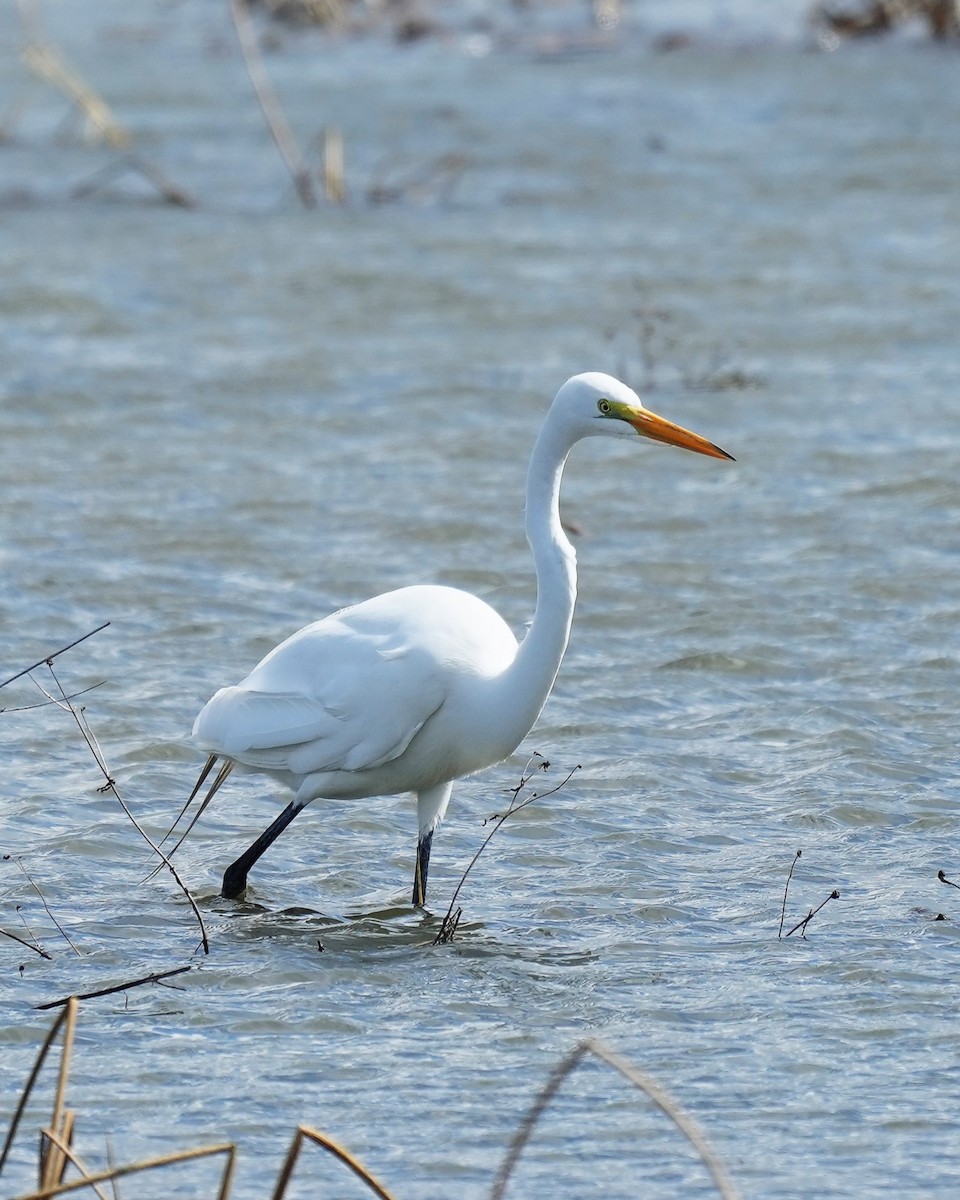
(416,688)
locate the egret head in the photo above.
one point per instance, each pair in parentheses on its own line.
(596,405)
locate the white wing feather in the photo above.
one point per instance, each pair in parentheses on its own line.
(348,693)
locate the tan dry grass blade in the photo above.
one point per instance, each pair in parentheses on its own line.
(649,1086)
(147,1164)
(66,1054)
(270,106)
(69,1018)
(55,1149)
(321,1139)
(49,65)
(68,1155)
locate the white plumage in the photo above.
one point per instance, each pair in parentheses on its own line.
(417,687)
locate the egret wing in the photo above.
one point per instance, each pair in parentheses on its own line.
(328,699)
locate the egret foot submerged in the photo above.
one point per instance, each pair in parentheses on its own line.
(420,870)
(235,876)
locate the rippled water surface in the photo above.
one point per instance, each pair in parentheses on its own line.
(221,422)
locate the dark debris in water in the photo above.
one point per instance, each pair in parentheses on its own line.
(868,18)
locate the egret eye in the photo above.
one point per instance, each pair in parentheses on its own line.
(604,407)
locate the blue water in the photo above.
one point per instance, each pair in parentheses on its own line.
(217,424)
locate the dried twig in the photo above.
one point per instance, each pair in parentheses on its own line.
(448,925)
(48,658)
(45,703)
(802,925)
(783,907)
(56,1150)
(66,1154)
(687,1126)
(110,786)
(147,1164)
(169,191)
(53,1159)
(304,1133)
(156,977)
(35,947)
(66,937)
(270,106)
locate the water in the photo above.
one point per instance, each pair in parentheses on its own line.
(220,423)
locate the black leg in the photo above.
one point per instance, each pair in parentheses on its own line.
(420,870)
(235,876)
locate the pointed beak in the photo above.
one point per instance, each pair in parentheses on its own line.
(661,430)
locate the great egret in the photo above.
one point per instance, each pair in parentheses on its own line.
(413,689)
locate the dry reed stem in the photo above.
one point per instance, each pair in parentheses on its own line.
(639,1079)
(57,1137)
(270,106)
(49,65)
(55,1151)
(64,1146)
(334,187)
(321,1139)
(69,1018)
(146,1164)
(55,1162)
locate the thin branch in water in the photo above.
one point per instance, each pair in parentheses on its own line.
(649,1086)
(156,977)
(110,786)
(19,911)
(270,106)
(36,948)
(66,937)
(448,925)
(783,907)
(943,879)
(305,1133)
(48,658)
(168,190)
(46,703)
(802,925)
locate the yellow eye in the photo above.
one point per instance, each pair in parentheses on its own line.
(604,406)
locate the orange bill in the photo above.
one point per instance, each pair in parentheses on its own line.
(661,430)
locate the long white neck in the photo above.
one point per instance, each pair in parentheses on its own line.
(527,682)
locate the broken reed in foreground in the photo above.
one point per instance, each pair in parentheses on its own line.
(57,1152)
